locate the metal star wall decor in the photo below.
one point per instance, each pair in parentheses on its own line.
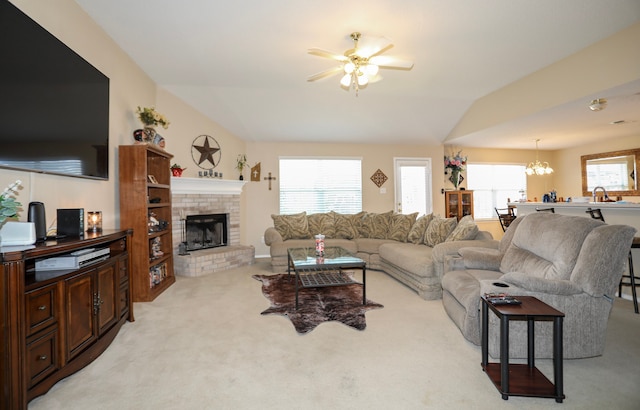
(206,152)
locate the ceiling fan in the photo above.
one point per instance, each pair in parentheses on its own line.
(360,64)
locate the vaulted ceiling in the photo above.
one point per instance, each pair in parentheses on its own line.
(244,64)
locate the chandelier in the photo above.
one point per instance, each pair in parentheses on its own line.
(538,168)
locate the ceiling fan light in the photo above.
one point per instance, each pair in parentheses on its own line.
(349,67)
(363,79)
(346,80)
(371,69)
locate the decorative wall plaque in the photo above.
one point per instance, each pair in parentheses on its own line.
(379,178)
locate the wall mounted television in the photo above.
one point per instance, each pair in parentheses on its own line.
(54,105)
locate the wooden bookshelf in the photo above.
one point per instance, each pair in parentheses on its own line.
(145,198)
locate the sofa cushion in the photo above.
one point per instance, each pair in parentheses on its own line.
(294,226)
(438,230)
(322,223)
(370,245)
(465,229)
(413,258)
(416,233)
(547,245)
(345,225)
(400,226)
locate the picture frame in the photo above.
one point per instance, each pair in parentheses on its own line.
(152,179)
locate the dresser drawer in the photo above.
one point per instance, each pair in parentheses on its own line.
(41,308)
(42,356)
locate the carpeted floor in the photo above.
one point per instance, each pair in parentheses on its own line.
(203,344)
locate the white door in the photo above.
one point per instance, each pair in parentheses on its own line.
(413,185)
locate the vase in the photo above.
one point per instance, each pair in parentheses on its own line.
(455,178)
(148,133)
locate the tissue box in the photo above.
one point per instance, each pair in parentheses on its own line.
(17,233)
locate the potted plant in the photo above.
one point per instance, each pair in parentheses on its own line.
(8,204)
(241,163)
(176,170)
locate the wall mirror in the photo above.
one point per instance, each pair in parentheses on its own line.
(616,171)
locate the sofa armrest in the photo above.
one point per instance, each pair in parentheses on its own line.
(481,258)
(271,236)
(535,284)
(452,248)
(453,262)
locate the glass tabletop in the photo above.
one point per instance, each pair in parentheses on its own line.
(333,256)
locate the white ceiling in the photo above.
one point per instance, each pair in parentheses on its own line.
(244,64)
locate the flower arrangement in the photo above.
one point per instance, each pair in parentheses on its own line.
(455,162)
(149,116)
(241,162)
(8,205)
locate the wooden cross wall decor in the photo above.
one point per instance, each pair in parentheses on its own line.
(270,178)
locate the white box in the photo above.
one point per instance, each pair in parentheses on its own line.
(14,233)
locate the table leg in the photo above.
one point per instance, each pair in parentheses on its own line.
(504,356)
(364,285)
(485,334)
(531,336)
(557,359)
(296,279)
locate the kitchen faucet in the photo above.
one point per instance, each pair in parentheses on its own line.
(604,191)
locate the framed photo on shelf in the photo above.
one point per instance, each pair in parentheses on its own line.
(152,179)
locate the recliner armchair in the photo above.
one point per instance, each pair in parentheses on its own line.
(571,263)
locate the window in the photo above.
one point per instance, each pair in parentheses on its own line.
(493,185)
(320,185)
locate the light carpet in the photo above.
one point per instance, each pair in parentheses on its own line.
(203,344)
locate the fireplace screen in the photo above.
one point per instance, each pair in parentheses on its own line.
(205,231)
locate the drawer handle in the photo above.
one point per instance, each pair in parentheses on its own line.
(43,357)
(42,307)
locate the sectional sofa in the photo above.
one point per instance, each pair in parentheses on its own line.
(410,249)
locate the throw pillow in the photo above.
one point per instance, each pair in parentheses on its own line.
(466,229)
(418,229)
(293,226)
(322,223)
(364,225)
(380,225)
(344,225)
(438,230)
(400,226)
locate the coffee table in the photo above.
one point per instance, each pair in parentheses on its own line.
(313,271)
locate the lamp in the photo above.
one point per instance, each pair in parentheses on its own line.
(538,168)
(94,221)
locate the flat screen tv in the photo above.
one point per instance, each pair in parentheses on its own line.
(54,105)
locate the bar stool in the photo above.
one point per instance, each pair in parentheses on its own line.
(631,276)
(597,214)
(552,210)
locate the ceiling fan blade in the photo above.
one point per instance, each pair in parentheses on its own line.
(324,74)
(327,54)
(372,46)
(375,78)
(391,62)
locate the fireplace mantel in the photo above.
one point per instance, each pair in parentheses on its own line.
(182,185)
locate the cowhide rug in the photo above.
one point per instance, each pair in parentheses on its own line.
(315,305)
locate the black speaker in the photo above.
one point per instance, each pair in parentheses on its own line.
(39,219)
(71,222)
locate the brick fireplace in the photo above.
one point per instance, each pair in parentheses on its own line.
(208,196)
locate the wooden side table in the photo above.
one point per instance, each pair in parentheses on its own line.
(523,379)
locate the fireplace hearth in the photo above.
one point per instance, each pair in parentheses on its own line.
(205,231)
